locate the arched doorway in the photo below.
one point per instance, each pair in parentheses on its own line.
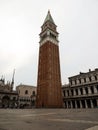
(94,103)
(83,103)
(78,104)
(88,103)
(5,102)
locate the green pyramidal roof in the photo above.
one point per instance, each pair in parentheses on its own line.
(49,18)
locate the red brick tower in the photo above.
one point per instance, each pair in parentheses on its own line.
(49,78)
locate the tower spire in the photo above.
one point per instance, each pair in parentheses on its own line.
(12,84)
(48,10)
(49,18)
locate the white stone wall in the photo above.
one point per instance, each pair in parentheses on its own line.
(23,88)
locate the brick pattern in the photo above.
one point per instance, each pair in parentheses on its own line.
(49,78)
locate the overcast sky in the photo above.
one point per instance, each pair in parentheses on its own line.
(20,22)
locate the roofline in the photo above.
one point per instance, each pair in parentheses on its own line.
(84,73)
(24,85)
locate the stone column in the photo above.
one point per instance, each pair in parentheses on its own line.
(66,104)
(92,106)
(81,104)
(95,89)
(66,93)
(79,93)
(76,104)
(89,90)
(86,104)
(71,104)
(74,92)
(84,92)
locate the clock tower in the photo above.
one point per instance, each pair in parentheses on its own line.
(49,77)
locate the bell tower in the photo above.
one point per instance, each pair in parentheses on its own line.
(49,77)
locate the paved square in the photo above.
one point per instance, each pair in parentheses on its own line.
(46,119)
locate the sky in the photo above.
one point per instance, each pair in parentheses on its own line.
(20,25)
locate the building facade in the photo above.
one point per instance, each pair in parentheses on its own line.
(49,77)
(26,96)
(82,91)
(8,97)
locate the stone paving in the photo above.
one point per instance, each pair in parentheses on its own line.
(48,119)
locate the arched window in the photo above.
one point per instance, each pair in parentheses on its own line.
(90,79)
(33,93)
(26,92)
(97,88)
(64,93)
(68,92)
(75,82)
(92,89)
(84,80)
(80,81)
(76,91)
(95,77)
(72,92)
(70,82)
